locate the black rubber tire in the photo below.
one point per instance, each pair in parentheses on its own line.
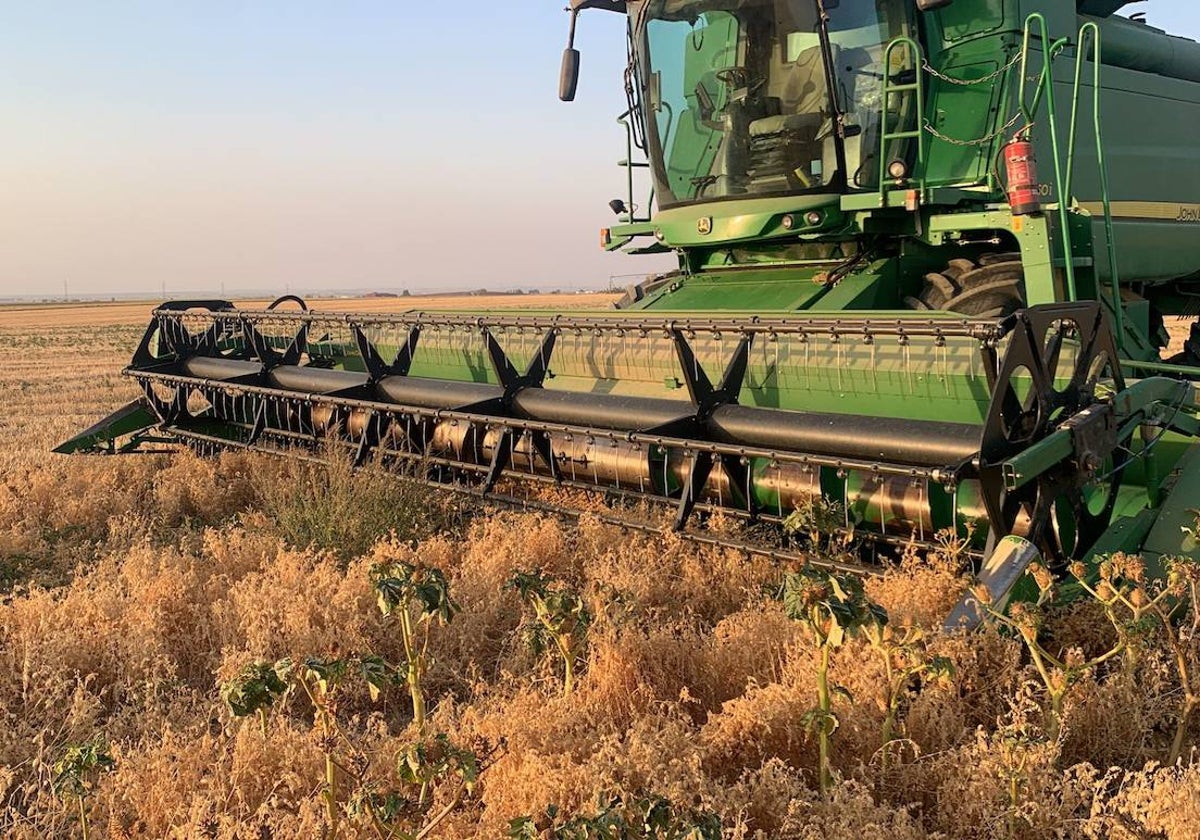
(991,288)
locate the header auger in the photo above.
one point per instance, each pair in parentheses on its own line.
(881,310)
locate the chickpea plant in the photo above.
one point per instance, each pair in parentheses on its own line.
(558,620)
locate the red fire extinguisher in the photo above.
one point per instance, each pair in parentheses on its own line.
(1021,168)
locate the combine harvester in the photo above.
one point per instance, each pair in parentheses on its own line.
(880,303)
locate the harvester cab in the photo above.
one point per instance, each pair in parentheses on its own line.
(885,323)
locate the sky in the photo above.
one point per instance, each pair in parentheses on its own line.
(197,146)
(305,145)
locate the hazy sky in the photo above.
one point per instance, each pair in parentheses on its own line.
(311,145)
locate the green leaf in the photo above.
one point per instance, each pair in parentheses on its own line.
(816,719)
(257,686)
(376,673)
(430,760)
(403,585)
(328,673)
(523,828)
(79,764)
(940,668)
(527,584)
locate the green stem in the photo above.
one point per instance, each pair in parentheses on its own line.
(569,665)
(328,729)
(1190,700)
(889,720)
(83,818)
(1053,725)
(1057,703)
(1014,802)
(415,666)
(439,816)
(1121,648)
(381,830)
(825,704)
(331,796)
(889,724)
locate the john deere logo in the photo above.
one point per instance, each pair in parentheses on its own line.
(704,226)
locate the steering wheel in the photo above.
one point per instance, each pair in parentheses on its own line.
(733,77)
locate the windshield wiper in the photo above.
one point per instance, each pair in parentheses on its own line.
(839,117)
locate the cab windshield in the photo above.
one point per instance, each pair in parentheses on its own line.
(742,98)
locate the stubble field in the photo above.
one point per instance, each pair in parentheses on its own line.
(138,594)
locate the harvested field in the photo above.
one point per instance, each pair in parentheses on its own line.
(30,317)
(138,591)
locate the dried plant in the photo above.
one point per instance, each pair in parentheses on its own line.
(134,586)
(1146,609)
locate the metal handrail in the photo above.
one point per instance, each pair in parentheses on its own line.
(1044,91)
(629,165)
(916,87)
(1101,159)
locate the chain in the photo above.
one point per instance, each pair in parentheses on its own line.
(982,141)
(991,77)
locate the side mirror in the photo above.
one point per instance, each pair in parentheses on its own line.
(568,77)
(931,5)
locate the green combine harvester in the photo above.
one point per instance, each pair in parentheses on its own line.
(926,252)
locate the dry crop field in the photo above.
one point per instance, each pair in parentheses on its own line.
(246,648)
